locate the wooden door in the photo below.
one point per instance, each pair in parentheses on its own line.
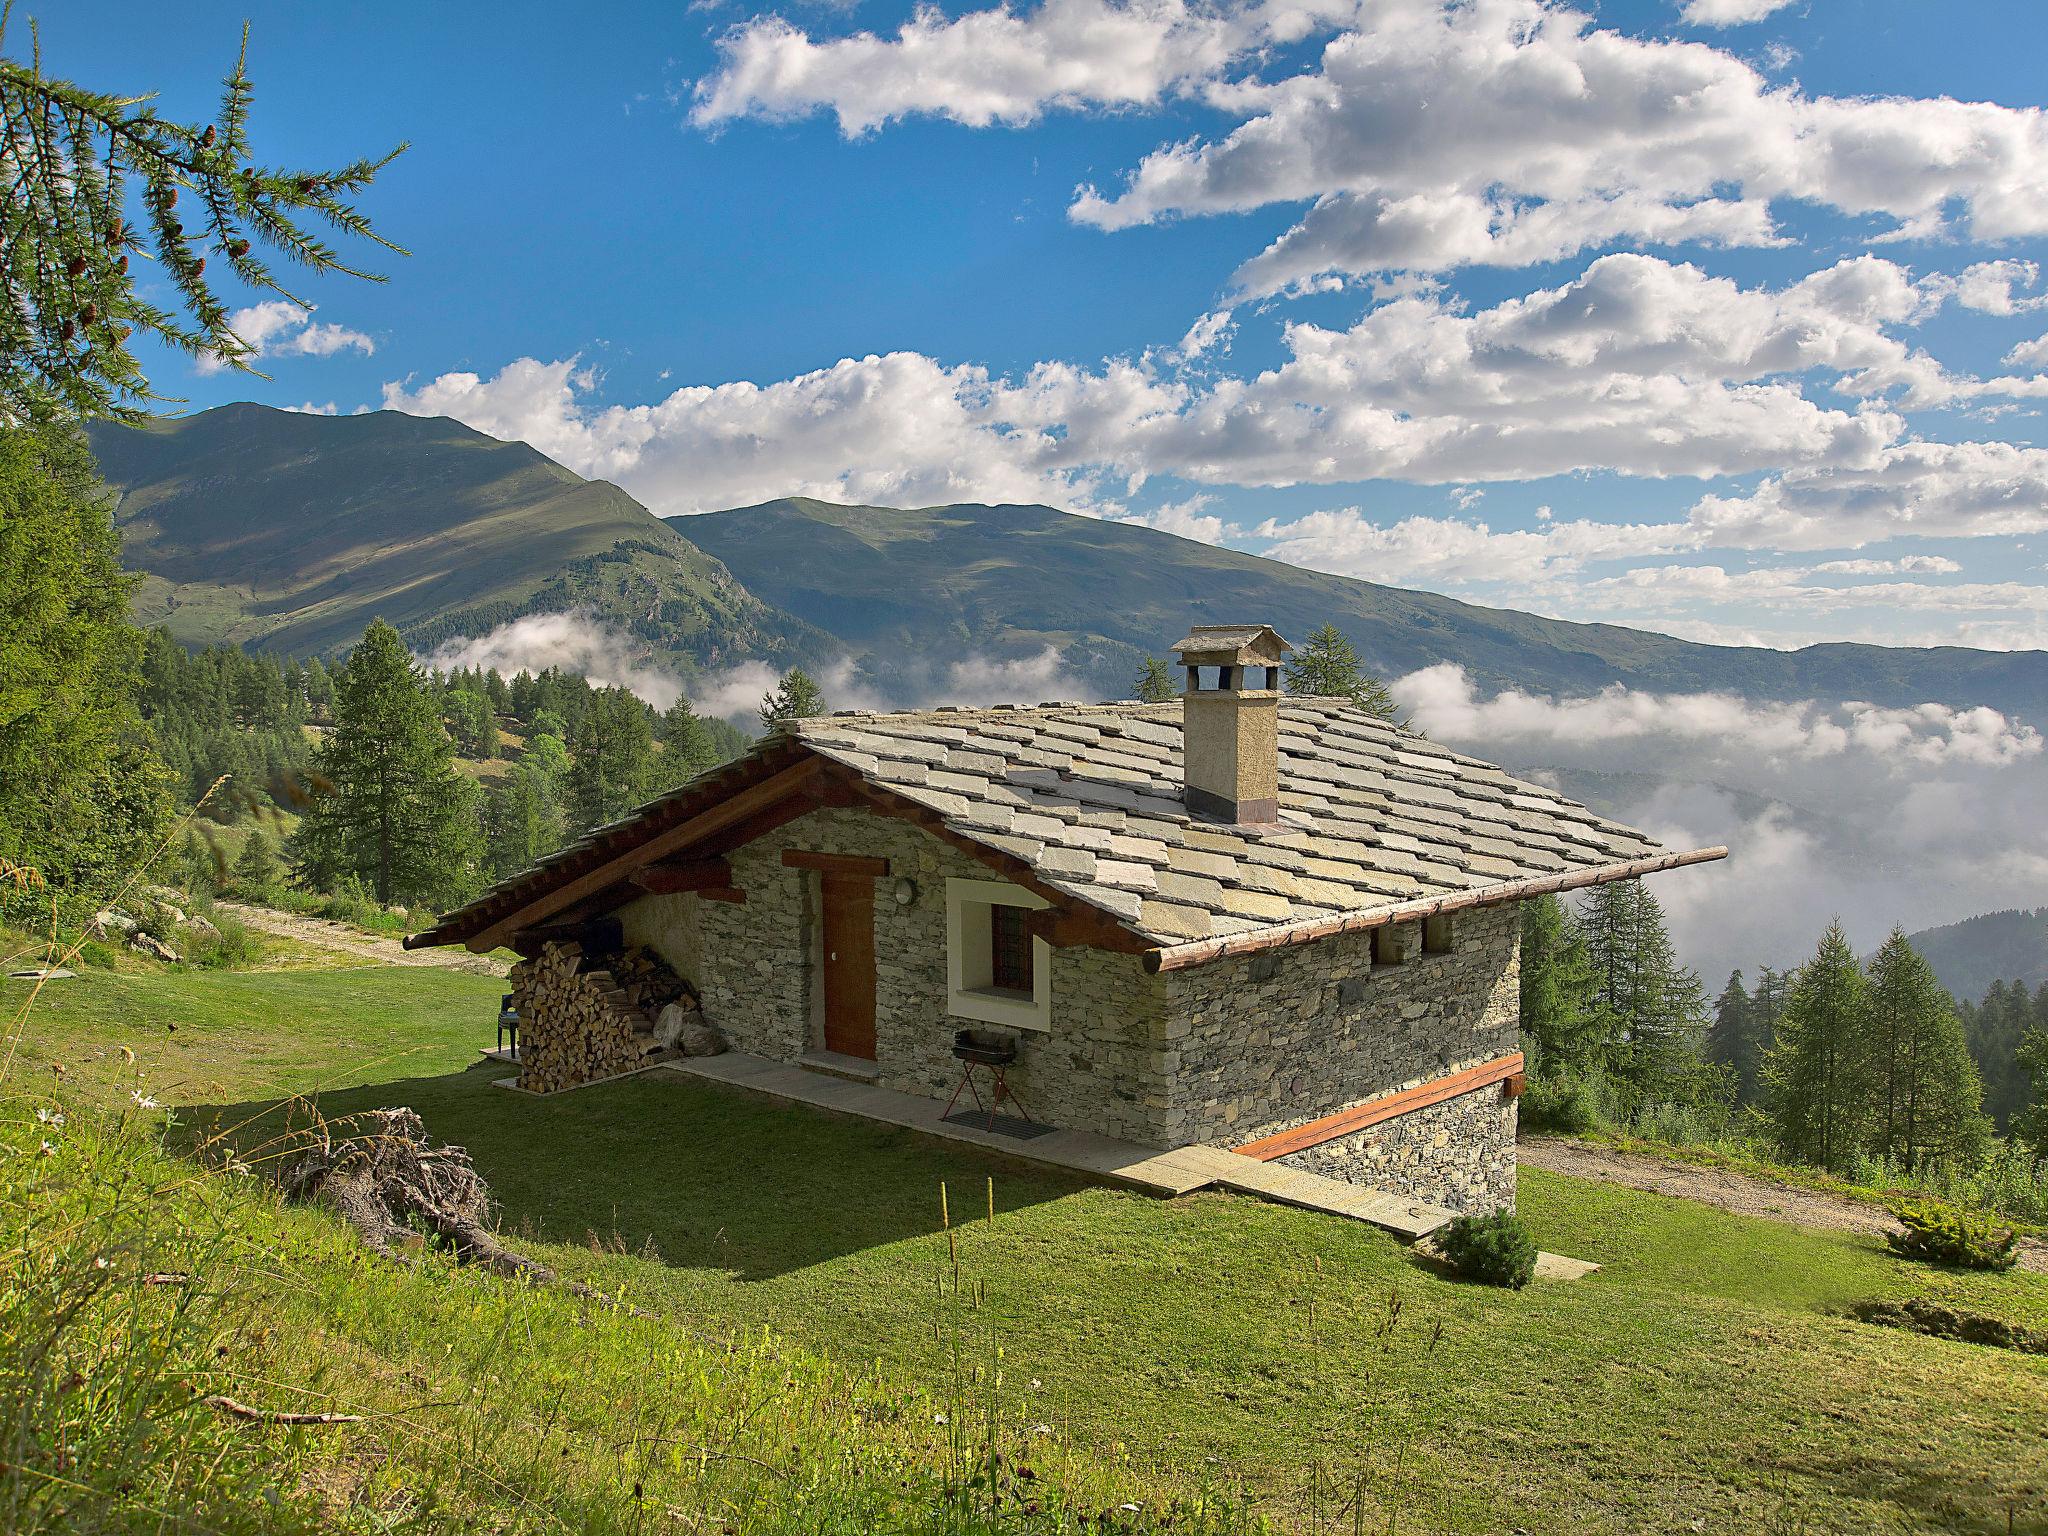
(849,943)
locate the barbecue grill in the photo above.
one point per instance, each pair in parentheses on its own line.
(993,1052)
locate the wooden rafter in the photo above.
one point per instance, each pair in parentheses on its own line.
(735,808)
(672,877)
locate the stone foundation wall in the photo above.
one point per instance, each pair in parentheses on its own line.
(1459,1154)
(1271,1040)
(1100,1067)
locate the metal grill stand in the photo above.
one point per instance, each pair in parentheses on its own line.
(992,1053)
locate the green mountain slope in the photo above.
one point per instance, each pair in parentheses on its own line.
(941,580)
(291,532)
(1995,946)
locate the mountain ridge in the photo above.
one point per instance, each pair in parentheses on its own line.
(288,532)
(1067,581)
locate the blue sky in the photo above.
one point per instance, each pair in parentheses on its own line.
(1726,333)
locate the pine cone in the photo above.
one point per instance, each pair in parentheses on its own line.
(75,265)
(238,249)
(68,330)
(89,314)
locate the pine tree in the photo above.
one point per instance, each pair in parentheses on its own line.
(1155,682)
(398,816)
(1328,668)
(796,697)
(686,746)
(1736,1038)
(1653,1008)
(69,157)
(611,758)
(1926,1097)
(2030,1123)
(256,870)
(1561,1029)
(1817,1073)
(82,792)
(522,821)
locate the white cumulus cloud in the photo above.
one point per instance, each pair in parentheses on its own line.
(279,328)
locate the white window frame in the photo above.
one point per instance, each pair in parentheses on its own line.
(969,994)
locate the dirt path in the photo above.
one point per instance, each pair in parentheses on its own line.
(372,948)
(1743,1193)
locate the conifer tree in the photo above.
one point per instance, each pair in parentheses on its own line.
(96,179)
(1817,1074)
(2030,1122)
(522,820)
(1654,1009)
(257,869)
(1735,1039)
(1328,667)
(796,697)
(1926,1097)
(686,746)
(611,758)
(1155,683)
(397,815)
(1562,1031)
(82,793)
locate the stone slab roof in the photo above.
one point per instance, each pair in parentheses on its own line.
(1377,824)
(1089,797)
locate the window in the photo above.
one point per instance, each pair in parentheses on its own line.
(1386,945)
(997,971)
(1437,936)
(1009,949)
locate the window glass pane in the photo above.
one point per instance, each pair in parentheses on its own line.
(1009,949)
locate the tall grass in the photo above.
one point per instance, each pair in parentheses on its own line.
(180,1350)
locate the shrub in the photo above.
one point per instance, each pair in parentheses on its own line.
(1495,1250)
(233,950)
(92,952)
(1567,1105)
(1941,1234)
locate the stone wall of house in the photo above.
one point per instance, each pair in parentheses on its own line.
(1100,1067)
(1273,1039)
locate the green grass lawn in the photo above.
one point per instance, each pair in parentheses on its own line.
(1703,1380)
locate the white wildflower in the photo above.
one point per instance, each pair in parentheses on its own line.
(143,1100)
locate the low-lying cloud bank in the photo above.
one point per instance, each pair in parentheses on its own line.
(1919,816)
(573,642)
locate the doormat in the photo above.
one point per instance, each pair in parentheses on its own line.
(1001,1125)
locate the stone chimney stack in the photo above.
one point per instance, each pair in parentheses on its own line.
(1231,722)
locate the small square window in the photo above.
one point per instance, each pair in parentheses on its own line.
(1438,937)
(1386,945)
(1009,943)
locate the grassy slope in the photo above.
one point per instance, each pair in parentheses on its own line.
(292,532)
(934,582)
(1700,1376)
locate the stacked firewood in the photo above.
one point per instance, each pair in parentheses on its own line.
(584,1016)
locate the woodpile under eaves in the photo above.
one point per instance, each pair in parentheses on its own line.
(585,1016)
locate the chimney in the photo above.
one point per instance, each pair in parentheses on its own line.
(1231,722)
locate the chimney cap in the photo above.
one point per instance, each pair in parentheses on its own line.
(1227,644)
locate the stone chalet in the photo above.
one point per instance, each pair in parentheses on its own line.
(1270,924)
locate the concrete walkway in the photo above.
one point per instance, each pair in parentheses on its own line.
(1180,1171)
